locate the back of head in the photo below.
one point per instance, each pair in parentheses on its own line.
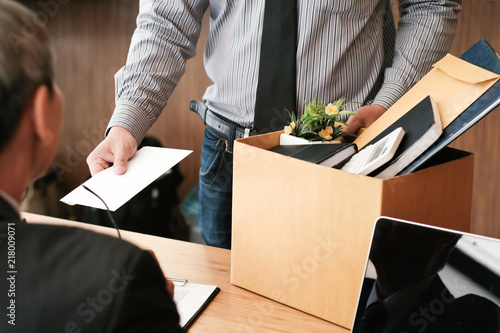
(27,63)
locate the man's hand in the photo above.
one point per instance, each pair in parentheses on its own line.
(118,147)
(364,117)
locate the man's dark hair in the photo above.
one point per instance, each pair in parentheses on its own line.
(26,62)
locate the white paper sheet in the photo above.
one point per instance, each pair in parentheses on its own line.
(148,164)
(191,299)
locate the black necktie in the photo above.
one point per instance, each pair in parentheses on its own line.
(276,86)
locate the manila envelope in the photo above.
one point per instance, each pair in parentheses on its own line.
(453,83)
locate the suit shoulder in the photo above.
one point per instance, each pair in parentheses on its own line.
(478,313)
(46,230)
(62,241)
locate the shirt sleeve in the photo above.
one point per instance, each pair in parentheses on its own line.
(165,38)
(425,34)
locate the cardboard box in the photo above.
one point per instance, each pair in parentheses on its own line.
(301,231)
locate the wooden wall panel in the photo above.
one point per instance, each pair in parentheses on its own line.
(478,20)
(92,38)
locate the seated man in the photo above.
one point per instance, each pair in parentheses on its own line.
(59,279)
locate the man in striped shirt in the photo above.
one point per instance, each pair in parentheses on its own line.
(347,48)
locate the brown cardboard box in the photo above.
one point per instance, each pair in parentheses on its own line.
(301,231)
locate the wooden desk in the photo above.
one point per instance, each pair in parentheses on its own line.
(234,309)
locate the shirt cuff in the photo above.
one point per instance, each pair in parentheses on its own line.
(389,94)
(132,119)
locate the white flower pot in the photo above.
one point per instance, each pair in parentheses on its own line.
(286,139)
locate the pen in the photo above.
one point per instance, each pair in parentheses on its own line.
(180,281)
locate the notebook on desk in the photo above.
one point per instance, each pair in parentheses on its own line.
(426,279)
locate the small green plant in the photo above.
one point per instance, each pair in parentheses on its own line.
(319,122)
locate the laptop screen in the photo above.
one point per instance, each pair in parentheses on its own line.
(426,279)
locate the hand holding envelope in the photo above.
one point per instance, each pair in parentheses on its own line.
(147,164)
(453,83)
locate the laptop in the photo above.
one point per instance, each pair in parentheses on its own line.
(426,279)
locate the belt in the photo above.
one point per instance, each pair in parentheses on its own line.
(224,127)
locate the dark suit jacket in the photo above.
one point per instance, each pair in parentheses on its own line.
(437,311)
(73,280)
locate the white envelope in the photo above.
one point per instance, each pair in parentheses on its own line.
(148,164)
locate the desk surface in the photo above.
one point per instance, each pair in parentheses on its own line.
(234,309)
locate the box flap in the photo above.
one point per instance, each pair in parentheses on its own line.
(444,187)
(447,154)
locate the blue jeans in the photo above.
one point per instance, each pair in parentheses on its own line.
(215,191)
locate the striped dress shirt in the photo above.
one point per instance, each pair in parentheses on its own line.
(345,48)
